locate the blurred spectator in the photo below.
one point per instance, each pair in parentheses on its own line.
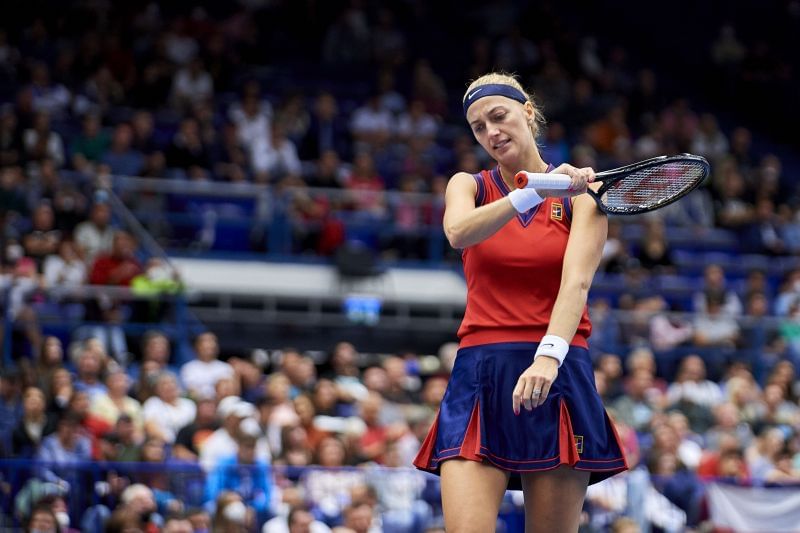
(666,331)
(140,501)
(191,85)
(327,129)
(277,160)
(347,40)
(43,239)
(328,489)
(763,235)
(116,402)
(88,148)
(187,153)
(192,437)
(372,444)
(43,143)
(63,447)
(236,416)
(231,514)
(713,327)
(244,473)
(371,125)
(122,158)
(693,394)
(42,520)
(714,282)
(95,236)
(709,141)
(11,146)
(365,187)
(727,51)
(34,425)
(655,254)
(64,270)
(299,520)
(229,156)
(417,123)
(47,97)
(166,412)
(637,406)
(252,116)
(611,367)
(90,365)
(202,374)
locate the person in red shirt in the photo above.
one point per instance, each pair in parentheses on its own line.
(521,409)
(118,267)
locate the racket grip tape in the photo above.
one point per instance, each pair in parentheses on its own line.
(540,180)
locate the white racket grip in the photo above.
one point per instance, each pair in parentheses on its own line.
(541,180)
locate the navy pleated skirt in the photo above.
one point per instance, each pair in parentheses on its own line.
(476,420)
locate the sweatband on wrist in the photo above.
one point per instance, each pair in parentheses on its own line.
(524,200)
(552,346)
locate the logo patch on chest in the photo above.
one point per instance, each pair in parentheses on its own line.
(556,211)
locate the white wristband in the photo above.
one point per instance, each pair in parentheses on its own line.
(552,346)
(524,199)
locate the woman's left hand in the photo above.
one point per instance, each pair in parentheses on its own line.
(534,384)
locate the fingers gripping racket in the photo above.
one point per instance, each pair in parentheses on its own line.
(633,189)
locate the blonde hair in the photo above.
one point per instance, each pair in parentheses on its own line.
(501,78)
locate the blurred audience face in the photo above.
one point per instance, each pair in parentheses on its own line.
(156,348)
(33,403)
(206,347)
(43,521)
(176,525)
(300,521)
(692,369)
(331,452)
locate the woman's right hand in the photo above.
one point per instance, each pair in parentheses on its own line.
(581,177)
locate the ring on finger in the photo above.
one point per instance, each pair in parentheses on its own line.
(537,392)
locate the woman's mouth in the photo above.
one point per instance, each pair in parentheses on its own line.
(500,145)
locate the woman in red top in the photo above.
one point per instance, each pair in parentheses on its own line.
(521,409)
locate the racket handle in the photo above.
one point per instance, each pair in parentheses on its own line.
(541,180)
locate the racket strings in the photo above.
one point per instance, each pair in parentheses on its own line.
(647,188)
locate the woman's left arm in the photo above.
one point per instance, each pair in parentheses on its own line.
(584,249)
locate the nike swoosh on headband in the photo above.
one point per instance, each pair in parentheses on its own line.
(473,93)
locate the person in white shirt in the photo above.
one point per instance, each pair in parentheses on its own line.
(252,117)
(95,236)
(299,520)
(201,375)
(166,412)
(691,384)
(237,416)
(277,158)
(192,85)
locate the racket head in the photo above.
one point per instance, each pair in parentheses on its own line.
(651,184)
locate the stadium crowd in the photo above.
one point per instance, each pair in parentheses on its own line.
(220,94)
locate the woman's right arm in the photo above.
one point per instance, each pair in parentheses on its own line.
(465,224)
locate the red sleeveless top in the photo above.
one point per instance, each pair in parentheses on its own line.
(513,277)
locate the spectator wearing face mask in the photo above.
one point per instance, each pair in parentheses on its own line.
(42,520)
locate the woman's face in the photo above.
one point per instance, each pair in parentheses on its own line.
(502,128)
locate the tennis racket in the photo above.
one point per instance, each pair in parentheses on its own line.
(633,189)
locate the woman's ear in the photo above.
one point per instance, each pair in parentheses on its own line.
(530,112)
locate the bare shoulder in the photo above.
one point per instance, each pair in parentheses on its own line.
(462,182)
(461,178)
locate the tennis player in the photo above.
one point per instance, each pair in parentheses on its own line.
(521,408)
